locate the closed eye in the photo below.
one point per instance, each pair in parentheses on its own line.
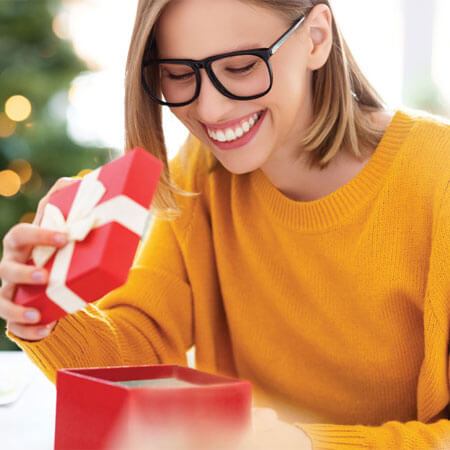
(184,76)
(241,69)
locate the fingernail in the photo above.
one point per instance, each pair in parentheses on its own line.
(31,316)
(60,238)
(43,331)
(38,275)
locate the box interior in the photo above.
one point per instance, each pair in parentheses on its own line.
(157,383)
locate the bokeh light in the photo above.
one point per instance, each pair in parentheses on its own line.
(72,92)
(7,126)
(33,186)
(84,172)
(9,183)
(18,108)
(60,25)
(22,168)
(27,217)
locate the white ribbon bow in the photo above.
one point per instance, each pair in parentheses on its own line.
(84,216)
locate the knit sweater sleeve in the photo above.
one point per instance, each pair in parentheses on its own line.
(148,320)
(431,430)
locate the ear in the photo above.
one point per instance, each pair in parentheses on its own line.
(319,35)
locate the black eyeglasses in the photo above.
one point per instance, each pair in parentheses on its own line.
(240,75)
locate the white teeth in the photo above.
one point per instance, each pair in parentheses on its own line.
(229,134)
(220,136)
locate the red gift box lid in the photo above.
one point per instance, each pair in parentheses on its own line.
(101,261)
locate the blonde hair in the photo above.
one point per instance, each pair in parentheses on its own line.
(342,97)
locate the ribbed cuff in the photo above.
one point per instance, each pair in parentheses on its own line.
(65,346)
(336,437)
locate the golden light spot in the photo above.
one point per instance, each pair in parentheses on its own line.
(7,126)
(27,217)
(84,172)
(29,125)
(22,168)
(18,108)
(9,183)
(71,92)
(60,26)
(33,185)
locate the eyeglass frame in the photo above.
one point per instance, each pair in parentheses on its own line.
(196,65)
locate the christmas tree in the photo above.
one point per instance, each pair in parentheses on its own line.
(36,70)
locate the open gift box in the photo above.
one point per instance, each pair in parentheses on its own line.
(140,406)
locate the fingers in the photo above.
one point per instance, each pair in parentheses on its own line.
(59,184)
(17,246)
(7,290)
(17,273)
(21,238)
(16,313)
(30,333)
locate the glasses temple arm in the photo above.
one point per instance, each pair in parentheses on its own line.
(281,40)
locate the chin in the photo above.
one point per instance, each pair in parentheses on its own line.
(239,167)
(239,171)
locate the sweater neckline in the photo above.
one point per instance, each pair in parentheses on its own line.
(336,207)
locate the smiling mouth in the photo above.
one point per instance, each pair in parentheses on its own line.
(238,131)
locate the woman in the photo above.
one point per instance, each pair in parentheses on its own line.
(312,262)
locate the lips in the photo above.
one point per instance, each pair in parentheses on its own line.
(232,130)
(231,134)
(231,123)
(238,141)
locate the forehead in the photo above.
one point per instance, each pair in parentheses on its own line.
(197,29)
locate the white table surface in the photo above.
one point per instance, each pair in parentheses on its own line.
(29,422)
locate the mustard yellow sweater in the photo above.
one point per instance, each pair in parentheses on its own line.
(337,310)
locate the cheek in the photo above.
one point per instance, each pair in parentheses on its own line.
(181,113)
(288,95)
(289,85)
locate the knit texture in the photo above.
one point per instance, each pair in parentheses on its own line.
(336,310)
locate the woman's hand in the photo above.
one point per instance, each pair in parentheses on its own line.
(17,246)
(268,432)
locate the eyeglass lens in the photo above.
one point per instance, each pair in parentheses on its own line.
(240,75)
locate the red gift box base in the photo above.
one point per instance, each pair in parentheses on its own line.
(95,411)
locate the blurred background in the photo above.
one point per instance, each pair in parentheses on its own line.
(62,83)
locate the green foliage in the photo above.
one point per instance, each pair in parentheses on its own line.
(37,64)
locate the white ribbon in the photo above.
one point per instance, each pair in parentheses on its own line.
(84,216)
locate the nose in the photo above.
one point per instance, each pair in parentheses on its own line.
(211,105)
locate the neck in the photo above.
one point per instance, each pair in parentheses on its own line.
(289,172)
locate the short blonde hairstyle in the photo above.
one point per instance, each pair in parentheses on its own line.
(342,97)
